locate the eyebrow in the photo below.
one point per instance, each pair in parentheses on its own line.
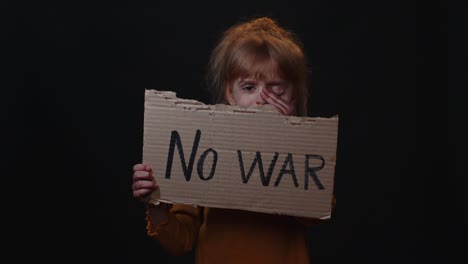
(273,82)
(277,83)
(246,81)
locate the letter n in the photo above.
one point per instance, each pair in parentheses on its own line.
(175,141)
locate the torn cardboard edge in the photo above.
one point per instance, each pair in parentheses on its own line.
(166,113)
(194,105)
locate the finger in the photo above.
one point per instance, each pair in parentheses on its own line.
(141,193)
(141,167)
(281,102)
(142,175)
(273,99)
(144,185)
(285,107)
(138,167)
(281,109)
(148,168)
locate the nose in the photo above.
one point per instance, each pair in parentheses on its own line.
(260,100)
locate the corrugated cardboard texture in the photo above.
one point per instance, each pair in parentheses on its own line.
(220,142)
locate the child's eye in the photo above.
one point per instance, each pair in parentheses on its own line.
(248,88)
(279,91)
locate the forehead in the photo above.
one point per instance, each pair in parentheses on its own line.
(267,79)
(259,70)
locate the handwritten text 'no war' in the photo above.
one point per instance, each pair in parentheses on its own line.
(288,163)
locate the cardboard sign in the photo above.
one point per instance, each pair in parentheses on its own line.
(240,158)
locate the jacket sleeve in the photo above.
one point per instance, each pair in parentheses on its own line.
(315,221)
(178,233)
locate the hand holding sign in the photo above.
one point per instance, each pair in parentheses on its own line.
(243,157)
(143,182)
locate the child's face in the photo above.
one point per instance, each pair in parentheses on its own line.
(252,92)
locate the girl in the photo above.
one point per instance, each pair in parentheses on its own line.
(255,62)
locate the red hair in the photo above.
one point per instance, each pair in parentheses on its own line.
(247,49)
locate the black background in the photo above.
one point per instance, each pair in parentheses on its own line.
(73,109)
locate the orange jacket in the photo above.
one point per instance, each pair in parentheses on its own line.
(233,236)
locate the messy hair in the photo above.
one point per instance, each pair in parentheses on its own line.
(247,48)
